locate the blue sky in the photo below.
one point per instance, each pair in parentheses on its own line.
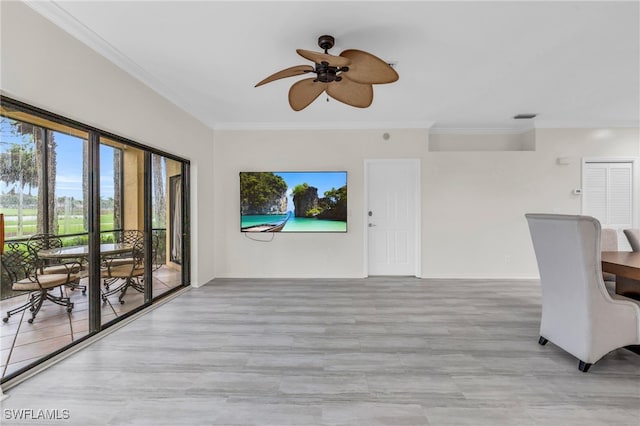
(69,169)
(324,181)
(69,163)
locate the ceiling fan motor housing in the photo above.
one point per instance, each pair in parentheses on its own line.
(326,42)
(327,73)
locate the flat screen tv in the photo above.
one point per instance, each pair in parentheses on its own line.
(293,201)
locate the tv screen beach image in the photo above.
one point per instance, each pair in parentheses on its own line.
(293,201)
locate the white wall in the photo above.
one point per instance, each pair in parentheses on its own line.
(298,255)
(476,201)
(45,67)
(473,204)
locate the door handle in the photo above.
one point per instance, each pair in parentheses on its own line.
(371,225)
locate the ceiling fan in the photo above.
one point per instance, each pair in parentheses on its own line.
(347,78)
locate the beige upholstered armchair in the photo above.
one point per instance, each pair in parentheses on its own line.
(609,242)
(633,235)
(578,313)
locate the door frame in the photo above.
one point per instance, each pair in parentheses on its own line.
(414,162)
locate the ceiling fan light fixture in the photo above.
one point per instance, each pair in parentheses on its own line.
(347,78)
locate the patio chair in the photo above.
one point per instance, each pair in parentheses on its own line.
(131,272)
(40,242)
(128,237)
(23,270)
(155,251)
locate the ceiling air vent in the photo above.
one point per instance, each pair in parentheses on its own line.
(524,116)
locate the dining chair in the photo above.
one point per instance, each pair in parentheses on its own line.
(127,237)
(155,252)
(609,242)
(130,236)
(38,242)
(633,235)
(578,313)
(23,269)
(131,272)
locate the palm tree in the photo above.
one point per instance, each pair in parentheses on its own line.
(117,196)
(159,199)
(19,165)
(50,196)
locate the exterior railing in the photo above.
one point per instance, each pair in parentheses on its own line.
(106,236)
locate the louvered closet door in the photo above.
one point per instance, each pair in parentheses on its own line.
(608,196)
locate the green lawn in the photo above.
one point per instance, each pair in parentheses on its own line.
(66,224)
(14,212)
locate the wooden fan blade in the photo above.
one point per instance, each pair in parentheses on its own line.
(289,72)
(367,68)
(351,93)
(317,57)
(304,92)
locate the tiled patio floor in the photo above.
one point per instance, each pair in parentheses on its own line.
(22,343)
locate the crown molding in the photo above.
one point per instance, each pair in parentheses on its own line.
(537,124)
(479,130)
(603,124)
(328,125)
(60,17)
(56,14)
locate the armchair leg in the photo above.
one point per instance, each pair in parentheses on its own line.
(583,366)
(40,301)
(542,341)
(132,282)
(35,301)
(30,304)
(76,285)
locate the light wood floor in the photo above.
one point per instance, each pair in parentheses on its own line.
(22,344)
(380,351)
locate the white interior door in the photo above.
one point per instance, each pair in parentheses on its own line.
(392,216)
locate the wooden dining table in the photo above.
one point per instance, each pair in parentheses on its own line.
(625,265)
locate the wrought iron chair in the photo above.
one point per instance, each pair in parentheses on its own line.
(128,237)
(39,242)
(23,270)
(130,272)
(155,251)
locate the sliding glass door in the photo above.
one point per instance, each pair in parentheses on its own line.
(105,213)
(42,195)
(167,219)
(122,210)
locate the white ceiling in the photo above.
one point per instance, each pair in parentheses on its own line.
(462,65)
